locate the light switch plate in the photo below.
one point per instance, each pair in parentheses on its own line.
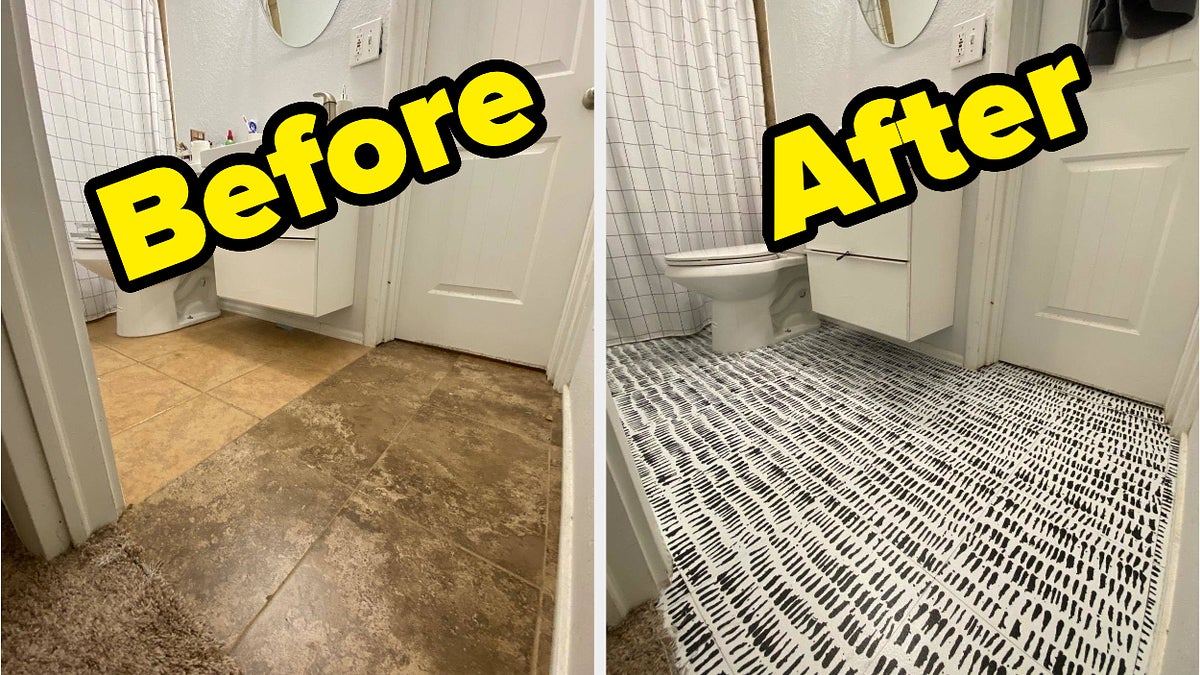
(967,41)
(366,42)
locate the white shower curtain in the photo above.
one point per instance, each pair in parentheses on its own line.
(102,81)
(685,123)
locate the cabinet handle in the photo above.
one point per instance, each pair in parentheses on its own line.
(856,256)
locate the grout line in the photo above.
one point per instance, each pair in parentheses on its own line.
(122,430)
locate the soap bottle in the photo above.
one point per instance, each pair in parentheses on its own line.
(229,138)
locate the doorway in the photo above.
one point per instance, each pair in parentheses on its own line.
(488,254)
(1102,286)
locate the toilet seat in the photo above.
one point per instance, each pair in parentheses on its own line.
(724,255)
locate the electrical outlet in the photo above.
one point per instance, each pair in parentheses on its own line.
(967,42)
(366,42)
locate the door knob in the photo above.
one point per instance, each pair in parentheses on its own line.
(589,98)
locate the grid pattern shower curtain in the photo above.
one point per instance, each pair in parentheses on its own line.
(685,121)
(102,82)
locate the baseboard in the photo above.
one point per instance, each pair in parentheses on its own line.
(308,323)
(1162,629)
(564,591)
(918,346)
(929,350)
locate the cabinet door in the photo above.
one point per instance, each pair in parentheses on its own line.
(281,275)
(864,292)
(883,237)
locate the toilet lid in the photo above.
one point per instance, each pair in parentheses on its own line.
(725,255)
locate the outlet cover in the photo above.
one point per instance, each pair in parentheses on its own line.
(366,42)
(967,40)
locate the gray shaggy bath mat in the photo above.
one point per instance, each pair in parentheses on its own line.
(97,609)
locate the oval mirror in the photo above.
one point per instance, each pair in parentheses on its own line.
(299,22)
(896,22)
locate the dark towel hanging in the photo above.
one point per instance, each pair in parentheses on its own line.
(1109,20)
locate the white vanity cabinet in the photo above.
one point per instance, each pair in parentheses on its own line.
(309,272)
(894,274)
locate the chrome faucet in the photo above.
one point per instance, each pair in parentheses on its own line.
(328,101)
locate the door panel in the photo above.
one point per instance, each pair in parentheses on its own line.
(489,252)
(1103,280)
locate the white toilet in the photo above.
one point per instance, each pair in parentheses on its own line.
(173,304)
(758,297)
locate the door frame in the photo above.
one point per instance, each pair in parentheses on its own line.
(57,452)
(404,69)
(1015,28)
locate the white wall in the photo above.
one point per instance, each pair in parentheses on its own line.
(637,565)
(822,54)
(226,61)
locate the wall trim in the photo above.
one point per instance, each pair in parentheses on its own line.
(311,324)
(404,69)
(1166,594)
(1183,398)
(1015,28)
(939,353)
(574,550)
(577,312)
(43,316)
(631,581)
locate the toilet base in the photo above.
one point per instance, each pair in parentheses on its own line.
(746,324)
(171,305)
(142,326)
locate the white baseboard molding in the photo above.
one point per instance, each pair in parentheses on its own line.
(1156,663)
(308,323)
(566,604)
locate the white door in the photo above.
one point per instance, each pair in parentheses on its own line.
(489,252)
(1102,286)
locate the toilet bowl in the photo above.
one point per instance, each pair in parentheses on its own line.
(758,297)
(173,304)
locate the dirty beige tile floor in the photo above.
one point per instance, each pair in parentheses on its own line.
(399,516)
(174,399)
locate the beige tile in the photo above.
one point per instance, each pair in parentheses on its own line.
(106,360)
(136,393)
(379,594)
(151,454)
(254,338)
(102,330)
(323,353)
(268,388)
(205,366)
(142,349)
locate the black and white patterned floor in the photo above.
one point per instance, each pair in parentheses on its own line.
(839,504)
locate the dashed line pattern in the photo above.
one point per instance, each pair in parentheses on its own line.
(839,504)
